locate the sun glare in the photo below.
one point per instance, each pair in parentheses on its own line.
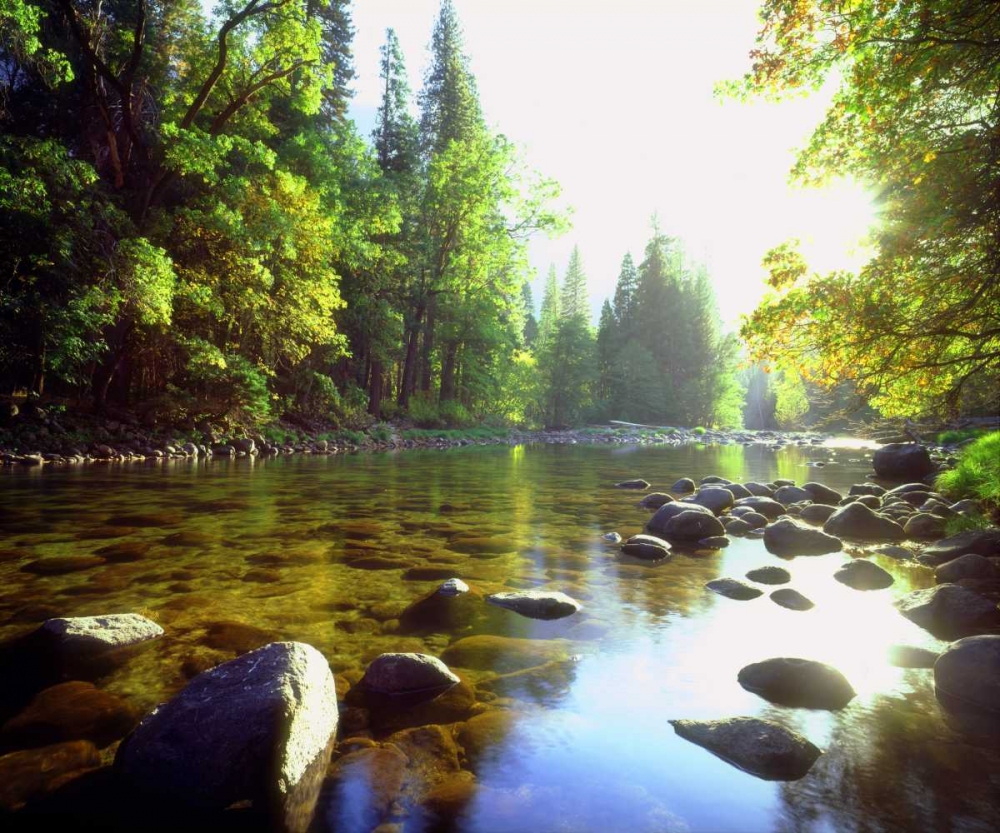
(834,225)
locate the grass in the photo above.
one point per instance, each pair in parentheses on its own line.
(698,431)
(977,474)
(957,436)
(966,523)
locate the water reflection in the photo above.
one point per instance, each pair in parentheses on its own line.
(334,551)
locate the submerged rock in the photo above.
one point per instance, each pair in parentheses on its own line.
(32,773)
(453,587)
(760,747)
(399,674)
(791,599)
(967,684)
(863,575)
(647,547)
(791,681)
(949,611)
(902,461)
(855,520)
(536,604)
(611,538)
(654,500)
(258,728)
(770,575)
(632,484)
(733,588)
(502,654)
(789,537)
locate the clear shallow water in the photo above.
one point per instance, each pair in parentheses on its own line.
(330,550)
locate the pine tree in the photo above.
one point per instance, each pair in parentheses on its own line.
(573,298)
(550,308)
(395,133)
(337,34)
(625,296)
(606,351)
(449,101)
(530,330)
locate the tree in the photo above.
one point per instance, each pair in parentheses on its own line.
(573,301)
(916,119)
(551,311)
(625,296)
(530,330)
(395,133)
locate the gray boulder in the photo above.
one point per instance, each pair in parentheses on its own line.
(632,484)
(902,461)
(693,526)
(910,656)
(453,587)
(536,604)
(861,523)
(739,490)
(759,489)
(791,494)
(791,599)
(654,500)
(770,575)
(765,506)
(788,537)
(977,541)
(258,728)
(791,681)
(658,523)
(949,611)
(823,494)
(404,674)
(866,489)
(733,588)
(760,747)
(966,566)
(967,684)
(736,526)
(716,498)
(683,486)
(863,575)
(893,551)
(648,547)
(817,513)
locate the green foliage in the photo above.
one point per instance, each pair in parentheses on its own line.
(977,474)
(698,431)
(955,436)
(225,386)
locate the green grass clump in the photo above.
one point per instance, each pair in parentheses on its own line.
(977,474)
(698,431)
(966,523)
(959,435)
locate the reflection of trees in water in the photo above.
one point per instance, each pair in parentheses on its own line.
(896,766)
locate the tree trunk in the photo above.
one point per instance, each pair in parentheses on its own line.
(427,351)
(375,389)
(448,371)
(408,382)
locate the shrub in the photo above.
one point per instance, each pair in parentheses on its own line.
(977,474)
(423,410)
(698,431)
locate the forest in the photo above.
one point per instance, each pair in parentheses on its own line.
(192,227)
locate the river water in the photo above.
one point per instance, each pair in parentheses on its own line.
(329,550)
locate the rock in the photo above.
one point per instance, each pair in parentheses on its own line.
(733,588)
(759,489)
(502,654)
(69,711)
(363,788)
(924,525)
(760,747)
(902,461)
(429,572)
(683,486)
(632,484)
(817,513)
(966,566)
(453,587)
(823,494)
(80,642)
(247,446)
(658,523)
(863,575)
(611,538)
(123,552)
(648,547)
(910,656)
(788,537)
(223,450)
(32,773)
(260,727)
(949,611)
(770,575)
(866,489)
(736,526)
(870,501)
(447,612)
(693,526)
(859,522)
(654,500)
(966,507)
(893,551)
(791,599)
(765,506)
(715,498)
(407,674)
(792,494)
(984,542)
(755,519)
(967,684)
(237,637)
(713,542)
(536,604)
(60,565)
(738,490)
(485,734)
(797,682)
(908,489)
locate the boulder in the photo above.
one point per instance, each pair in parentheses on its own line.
(683,486)
(693,526)
(406,674)
(502,654)
(760,747)
(863,575)
(925,525)
(738,490)
(716,498)
(736,526)
(791,681)
(770,575)
(258,728)
(654,500)
(765,506)
(859,522)
(536,604)
(910,656)
(823,494)
(967,684)
(966,566)
(611,538)
(791,599)
(733,588)
(949,611)
(714,542)
(977,541)
(792,494)
(788,537)
(759,489)
(866,489)
(893,551)
(714,480)
(648,547)
(817,513)
(32,773)
(632,484)
(245,445)
(658,523)
(453,587)
(902,461)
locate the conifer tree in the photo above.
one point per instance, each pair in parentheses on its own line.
(550,308)
(573,297)
(625,295)
(530,329)
(395,133)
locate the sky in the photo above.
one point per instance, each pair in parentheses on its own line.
(615,101)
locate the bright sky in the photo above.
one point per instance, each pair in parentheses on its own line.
(615,101)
